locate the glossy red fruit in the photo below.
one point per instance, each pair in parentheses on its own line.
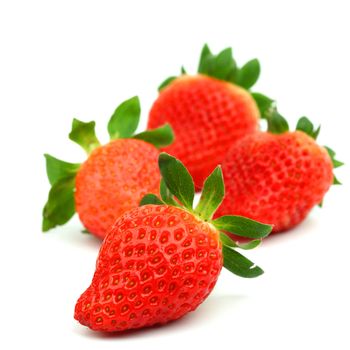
(160,261)
(275,178)
(207,115)
(113,180)
(114,177)
(156,264)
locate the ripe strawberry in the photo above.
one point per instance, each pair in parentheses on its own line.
(277,177)
(113,179)
(160,261)
(208,112)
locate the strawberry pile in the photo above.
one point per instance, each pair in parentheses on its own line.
(161,256)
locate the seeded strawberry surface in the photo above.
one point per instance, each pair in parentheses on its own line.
(207,115)
(156,264)
(113,180)
(276,179)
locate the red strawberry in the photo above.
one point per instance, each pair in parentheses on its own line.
(113,179)
(208,111)
(277,178)
(160,261)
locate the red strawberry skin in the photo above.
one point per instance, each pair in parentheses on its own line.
(207,116)
(155,265)
(113,180)
(275,179)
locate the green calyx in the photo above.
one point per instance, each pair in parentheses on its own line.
(306,126)
(60,207)
(224,67)
(277,124)
(177,189)
(125,121)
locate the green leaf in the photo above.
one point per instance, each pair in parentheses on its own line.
(84,135)
(276,123)
(212,195)
(240,265)
(242,226)
(60,206)
(160,137)
(150,198)
(57,169)
(125,119)
(166,195)
(205,56)
(221,66)
(265,104)
(177,179)
(166,82)
(336,163)
(183,70)
(306,126)
(336,181)
(248,75)
(227,241)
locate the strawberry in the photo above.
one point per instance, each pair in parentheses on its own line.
(162,260)
(208,112)
(114,177)
(277,176)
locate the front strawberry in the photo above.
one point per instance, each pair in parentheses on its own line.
(114,177)
(161,260)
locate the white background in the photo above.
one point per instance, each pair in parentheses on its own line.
(68,59)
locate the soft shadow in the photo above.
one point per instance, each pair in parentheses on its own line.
(212,308)
(73,235)
(304,228)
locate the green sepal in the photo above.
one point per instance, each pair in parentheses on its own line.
(276,123)
(242,226)
(212,195)
(125,119)
(151,198)
(305,125)
(85,232)
(336,164)
(336,181)
(177,178)
(166,195)
(60,206)
(166,82)
(57,169)
(84,135)
(205,55)
(265,104)
(226,240)
(160,137)
(248,75)
(221,66)
(239,265)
